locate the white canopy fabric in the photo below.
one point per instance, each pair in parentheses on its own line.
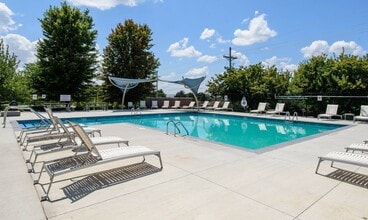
(125,84)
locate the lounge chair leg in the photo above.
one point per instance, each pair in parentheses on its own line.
(25,148)
(30,157)
(320,160)
(39,177)
(48,189)
(159,157)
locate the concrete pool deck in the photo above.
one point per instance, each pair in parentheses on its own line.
(200,180)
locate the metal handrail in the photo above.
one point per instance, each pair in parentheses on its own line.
(175,123)
(43,119)
(180,123)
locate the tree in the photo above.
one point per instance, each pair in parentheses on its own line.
(67,53)
(8,67)
(344,75)
(256,82)
(128,55)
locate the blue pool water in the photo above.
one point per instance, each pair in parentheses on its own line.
(245,132)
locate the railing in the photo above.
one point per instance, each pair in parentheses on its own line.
(176,128)
(44,121)
(295,116)
(135,111)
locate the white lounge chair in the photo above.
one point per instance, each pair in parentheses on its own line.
(130,105)
(279,108)
(176,104)
(47,127)
(142,104)
(225,107)
(215,105)
(362,147)
(93,157)
(58,133)
(363,116)
(166,104)
(261,108)
(331,111)
(344,157)
(191,105)
(154,104)
(72,143)
(204,105)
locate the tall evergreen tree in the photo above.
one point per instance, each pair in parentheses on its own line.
(128,55)
(67,53)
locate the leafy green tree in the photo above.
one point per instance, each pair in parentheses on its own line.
(8,68)
(256,82)
(344,75)
(67,53)
(158,93)
(128,55)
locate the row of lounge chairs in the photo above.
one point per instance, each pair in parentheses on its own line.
(347,157)
(279,109)
(82,146)
(331,111)
(177,105)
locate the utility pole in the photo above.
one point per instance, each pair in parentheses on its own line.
(230,58)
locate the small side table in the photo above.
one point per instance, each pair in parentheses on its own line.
(348,114)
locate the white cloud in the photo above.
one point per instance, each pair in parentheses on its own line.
(315,49)
(322,47)
(207,33)
(290,67)
(180,49)
(280,63)
(169,76)
(23,48)
(348,47)
(207,59)
(6,22)
(242,59)
(107,4)
(221,41)
(258,31)
(197,72)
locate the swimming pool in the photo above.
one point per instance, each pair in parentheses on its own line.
(240,131)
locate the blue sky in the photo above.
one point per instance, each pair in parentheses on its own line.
(190,37)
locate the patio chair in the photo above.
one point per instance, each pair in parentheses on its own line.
(44,129)
(363,116)
(154,104)
(214,106)
(191,105)
(142,104)
(225,107)
(72,142)
(261,108)
(362,147)
(58,134)
(344,157)
(204,105)
(166,104)
(176,104)
(130,105)
(92,158)
(279,108)
(331,111)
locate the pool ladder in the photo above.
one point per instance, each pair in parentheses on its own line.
(135,111)
(295,116)
(176,127)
